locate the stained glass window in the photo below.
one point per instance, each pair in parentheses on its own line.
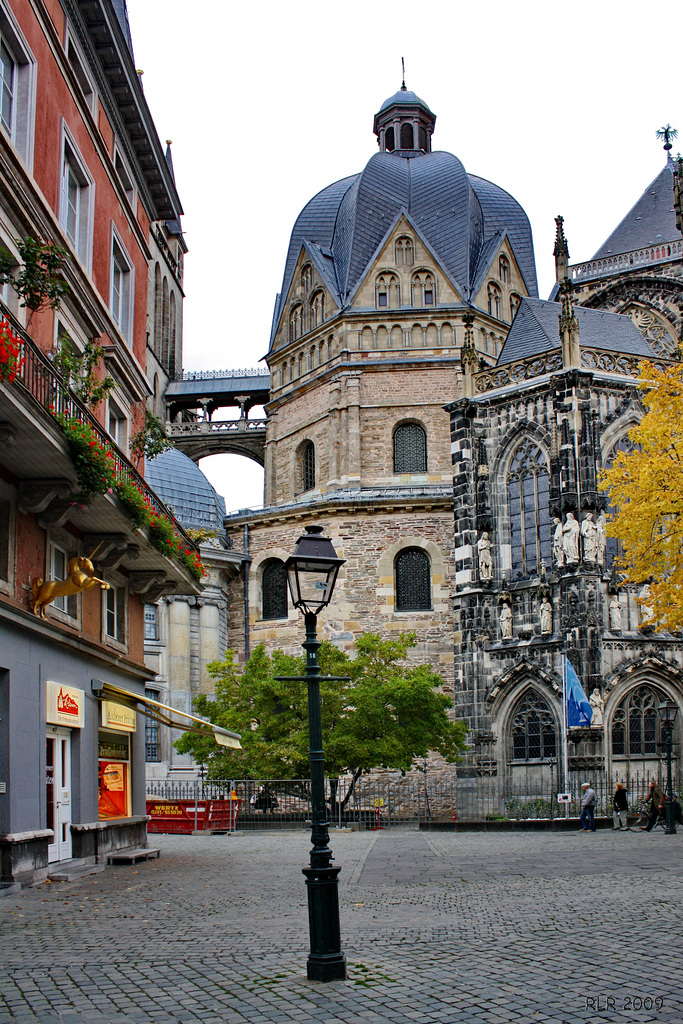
(308,466)
(274,590)
(635,725)
(413,581)
(533,729)
(528,500)
(410,449)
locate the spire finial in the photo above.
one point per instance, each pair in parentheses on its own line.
(403,76)
(561,251)
(667,133)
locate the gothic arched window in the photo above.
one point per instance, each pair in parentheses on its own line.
(532,728)
(515,301)
(308,466)
(404,251)
(410,449)
(494,296)
(317,309)
(423,289)
(274,590)
(635,724)
(296,323)
(306,278)
(387,292)
(528,500)
(504,269)
(413,581)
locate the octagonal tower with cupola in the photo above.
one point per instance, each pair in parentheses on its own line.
(388,273)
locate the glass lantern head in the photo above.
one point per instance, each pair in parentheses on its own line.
(312,571)
(668,709)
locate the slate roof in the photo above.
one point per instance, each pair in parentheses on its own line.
(456,214)
(650,221)
(122,16)
(535,331)
(183,487)
(406,97)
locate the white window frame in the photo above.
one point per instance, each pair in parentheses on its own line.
(121,288)
(115,611)
(73,170)
(66,607)
(79,66)
(119,434)
(147,621)
(22,127)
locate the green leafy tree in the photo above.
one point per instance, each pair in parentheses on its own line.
(39,282)
(79,371)
(646,487)
(386,715)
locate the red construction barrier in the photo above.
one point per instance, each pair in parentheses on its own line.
(187,816)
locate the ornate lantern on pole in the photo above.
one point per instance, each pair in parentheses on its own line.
(667,716)
(312,573)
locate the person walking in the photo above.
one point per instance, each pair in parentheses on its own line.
(620,811)
(655,799)
(588,801)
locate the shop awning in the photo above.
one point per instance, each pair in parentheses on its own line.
(175,719)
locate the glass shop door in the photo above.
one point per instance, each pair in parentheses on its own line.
(58,793)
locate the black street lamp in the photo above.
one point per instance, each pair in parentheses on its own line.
(667,716)
(312,573)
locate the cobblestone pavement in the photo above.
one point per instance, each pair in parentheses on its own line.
(438,928)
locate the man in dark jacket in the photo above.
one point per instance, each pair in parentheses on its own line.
(620,812)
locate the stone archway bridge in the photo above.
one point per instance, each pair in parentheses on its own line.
(193,398)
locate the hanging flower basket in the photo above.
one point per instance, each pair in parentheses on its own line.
(11,359)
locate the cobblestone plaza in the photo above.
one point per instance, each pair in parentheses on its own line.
(437,927)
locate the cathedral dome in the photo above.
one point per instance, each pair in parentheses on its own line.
(182,486)
(462,218)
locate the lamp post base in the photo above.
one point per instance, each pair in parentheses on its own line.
(326,962)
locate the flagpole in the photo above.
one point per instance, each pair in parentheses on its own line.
(565,752)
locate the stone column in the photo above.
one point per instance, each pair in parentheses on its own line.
(353,429)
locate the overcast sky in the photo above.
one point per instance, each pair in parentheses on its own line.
(268,102)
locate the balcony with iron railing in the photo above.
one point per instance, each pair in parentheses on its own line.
(33,450)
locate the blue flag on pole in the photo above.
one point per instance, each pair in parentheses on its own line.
(579,711)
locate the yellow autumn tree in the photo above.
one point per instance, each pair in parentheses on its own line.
(646,487)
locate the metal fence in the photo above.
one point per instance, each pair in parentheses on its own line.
(408,802)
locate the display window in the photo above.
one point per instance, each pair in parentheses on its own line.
(114,775)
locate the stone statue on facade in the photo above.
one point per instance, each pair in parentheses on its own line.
(558,552)
(615,614)
(601,539)
(546,611)
(646,609)
(597,703)
(570,539)
(485,560)
(506,622)
(589,533)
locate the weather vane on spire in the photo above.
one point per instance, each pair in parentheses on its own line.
(667,133)
(403,75)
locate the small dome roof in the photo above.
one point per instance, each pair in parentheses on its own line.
(404,96)
(182,486)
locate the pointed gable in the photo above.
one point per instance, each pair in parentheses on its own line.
(652,220)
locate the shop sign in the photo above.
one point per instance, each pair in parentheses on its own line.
(65,705)
(118,716)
